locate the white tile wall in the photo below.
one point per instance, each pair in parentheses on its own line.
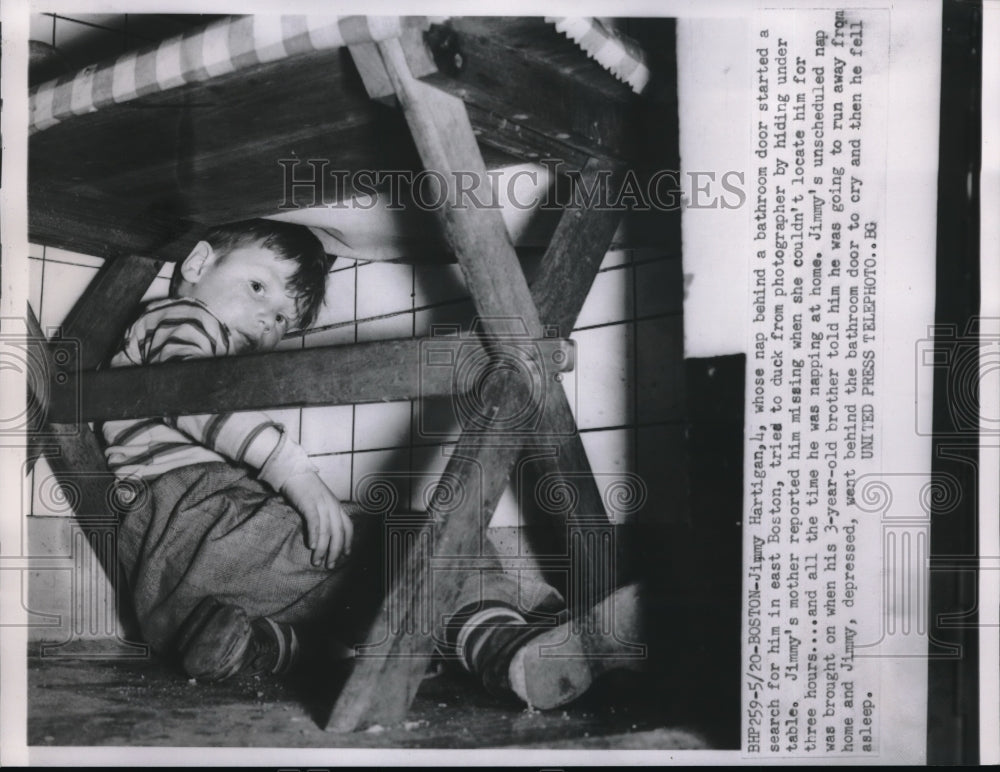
(398,325)
(379,425)
(328,429)
(617,257)
(62,285)
(384,288)
(340,335)
(610,451)
(506,513)
(159,289)
(612,460)
(335,471)
(610,298)
(56,255)
(35,277)
(41,27)
(339,305)
(603,375)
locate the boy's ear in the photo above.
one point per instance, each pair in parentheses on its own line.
(194,265)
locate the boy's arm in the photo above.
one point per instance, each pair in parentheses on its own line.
(253,439)
(249,438)
(184,329)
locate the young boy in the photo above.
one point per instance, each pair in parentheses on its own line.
(239,545)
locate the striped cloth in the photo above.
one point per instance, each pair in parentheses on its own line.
(615,52)
(178,329)
(220,48)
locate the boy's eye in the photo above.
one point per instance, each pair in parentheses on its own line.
(256,286)
(281,319)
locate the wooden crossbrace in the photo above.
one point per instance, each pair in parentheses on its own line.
(381,687)
(376,371)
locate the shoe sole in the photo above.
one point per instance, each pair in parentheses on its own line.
(214,641)
(561,664)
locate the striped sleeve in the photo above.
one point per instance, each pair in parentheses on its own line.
(185,329)
(181,329)
(253,439)
(245,437)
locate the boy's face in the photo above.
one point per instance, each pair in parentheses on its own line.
(247,289)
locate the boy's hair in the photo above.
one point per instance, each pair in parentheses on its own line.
(288,242)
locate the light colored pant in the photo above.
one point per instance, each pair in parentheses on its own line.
(213,530)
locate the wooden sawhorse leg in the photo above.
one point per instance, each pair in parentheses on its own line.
(89,332)
(382,687)
(91,329)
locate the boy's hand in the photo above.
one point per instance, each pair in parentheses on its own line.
(328,528)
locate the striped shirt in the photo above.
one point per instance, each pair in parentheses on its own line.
(184,328)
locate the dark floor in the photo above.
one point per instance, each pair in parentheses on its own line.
(88,702)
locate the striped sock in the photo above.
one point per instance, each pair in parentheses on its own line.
(276,644)
(485,638)
(476,626)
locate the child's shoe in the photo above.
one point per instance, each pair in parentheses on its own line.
(218,641)
(558,666)
(550,668)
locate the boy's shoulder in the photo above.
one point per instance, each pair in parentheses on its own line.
(179,311)
(176,304)
(170,321)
